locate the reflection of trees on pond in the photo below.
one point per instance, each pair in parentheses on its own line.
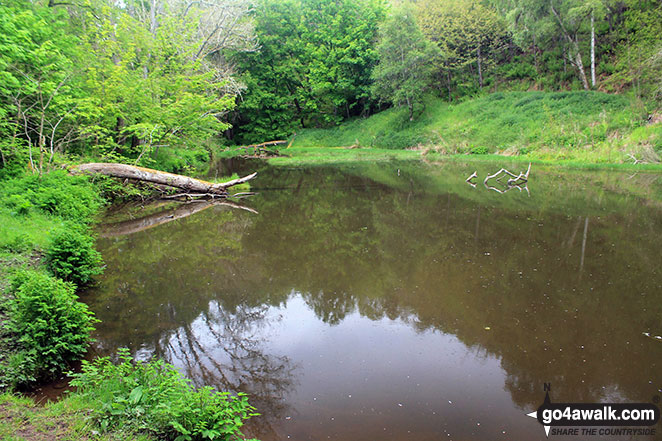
(434,259)
(562,297)
(225,348)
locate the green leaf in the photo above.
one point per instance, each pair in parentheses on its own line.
(135,395)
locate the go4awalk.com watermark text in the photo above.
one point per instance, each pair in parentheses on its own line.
(612,418)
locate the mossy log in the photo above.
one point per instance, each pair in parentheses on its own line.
(191,185)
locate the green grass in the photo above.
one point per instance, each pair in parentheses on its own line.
(315,155)
(66,419)
(312,156)
(587,127)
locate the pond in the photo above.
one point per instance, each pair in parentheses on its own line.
(395,301)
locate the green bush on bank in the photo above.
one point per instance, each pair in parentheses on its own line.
(45,326)
(48,325)
(56,193)
(154,397)
(72,257)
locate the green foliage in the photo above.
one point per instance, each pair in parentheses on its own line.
(72,257)
(50,327)
(66,416)
(37,97)
(479,150)
(33,207)
(536,123)
(154,397)
(406,62)
(57,193)
(313,67)
(467,32)
(148,86)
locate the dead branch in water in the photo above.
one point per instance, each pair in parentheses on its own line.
(517,179)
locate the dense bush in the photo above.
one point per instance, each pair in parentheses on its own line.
(72,257)
(57,193)
(50,327)
(154,397)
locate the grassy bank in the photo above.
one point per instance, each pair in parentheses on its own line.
(588,127)
(311,156)
(22,419)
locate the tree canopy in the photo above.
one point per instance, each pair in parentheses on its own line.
(407,61)
(124,81)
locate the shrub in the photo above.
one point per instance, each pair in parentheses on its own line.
(114,190)
(50,325)
(57,193)
(72,257)
(154,397)
(479,150)
(18,204)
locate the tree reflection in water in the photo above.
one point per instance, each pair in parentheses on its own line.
(565,299)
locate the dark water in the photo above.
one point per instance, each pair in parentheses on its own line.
(395,301)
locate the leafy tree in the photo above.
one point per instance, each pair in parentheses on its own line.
(313,67)
(637,58)
(149,82)
(466,31)
(406,61)
(37,100)
(557,22)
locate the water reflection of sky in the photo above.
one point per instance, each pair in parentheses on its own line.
(363,378)
(360,313)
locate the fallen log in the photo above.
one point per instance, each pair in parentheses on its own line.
(192,185)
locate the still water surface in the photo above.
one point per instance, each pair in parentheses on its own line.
(395,301)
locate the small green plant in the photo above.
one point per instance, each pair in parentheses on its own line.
(479,150)
(154,397)
(18,203)
(51,327)
(114,190)
(72,257)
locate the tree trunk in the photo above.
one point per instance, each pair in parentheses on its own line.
(480,71)
(575,46)
(580,66)
(142,174)
(449,85)
(535,53)
(592,50)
